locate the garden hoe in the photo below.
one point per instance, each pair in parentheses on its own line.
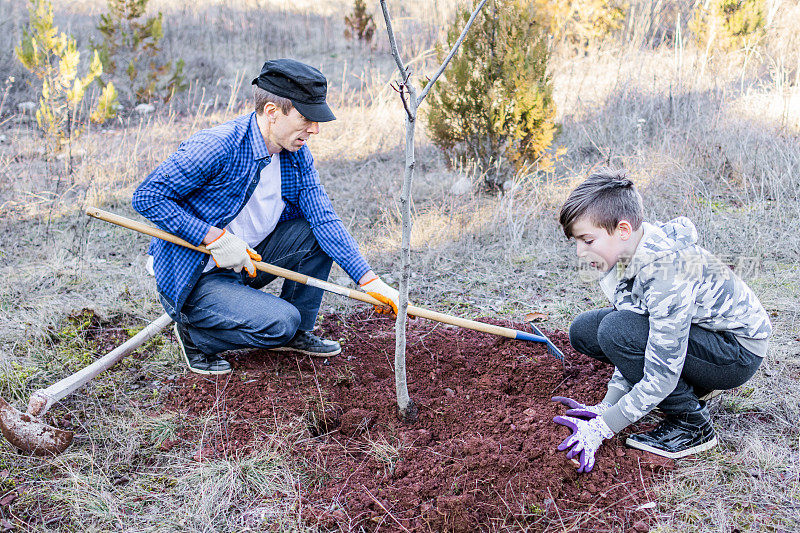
(537,336)
(28,433)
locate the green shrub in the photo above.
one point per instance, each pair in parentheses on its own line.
(729,24)
(53,57)
(581,22)
(495,99)
(130,53)
(359,23)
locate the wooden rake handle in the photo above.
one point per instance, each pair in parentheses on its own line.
(318,283)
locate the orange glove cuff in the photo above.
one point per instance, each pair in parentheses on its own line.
(369,280)
(218,237)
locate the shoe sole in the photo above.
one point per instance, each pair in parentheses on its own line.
(712,394)
(306,352)
(671,455)
(190,367)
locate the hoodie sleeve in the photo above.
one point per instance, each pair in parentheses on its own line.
(668,293)
(618,387)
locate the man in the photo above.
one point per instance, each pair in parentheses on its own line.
(248,190)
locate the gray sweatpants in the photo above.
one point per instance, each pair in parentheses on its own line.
(714,359)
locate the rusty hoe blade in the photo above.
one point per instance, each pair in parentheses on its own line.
(30,434)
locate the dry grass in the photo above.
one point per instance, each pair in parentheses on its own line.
(710,139)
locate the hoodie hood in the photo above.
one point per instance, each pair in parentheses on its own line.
(660,240)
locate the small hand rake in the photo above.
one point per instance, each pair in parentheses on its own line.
(538,336)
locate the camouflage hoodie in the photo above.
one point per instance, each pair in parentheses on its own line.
(677,283)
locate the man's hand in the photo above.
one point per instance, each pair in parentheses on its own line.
(229,251)
(376,288)
(580,410)
(586,438)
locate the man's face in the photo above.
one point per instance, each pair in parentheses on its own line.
(596,247)
(291,131)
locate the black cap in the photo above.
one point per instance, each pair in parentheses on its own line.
(304,85)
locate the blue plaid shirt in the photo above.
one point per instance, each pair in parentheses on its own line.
(209,179)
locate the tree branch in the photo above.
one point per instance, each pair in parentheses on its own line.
(450,55)
(407,409)
(411,105)
(401,89)
(392,41)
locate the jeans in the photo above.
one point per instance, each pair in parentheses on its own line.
(227,311)
(714,359)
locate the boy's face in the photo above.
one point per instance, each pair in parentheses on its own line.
(599,249)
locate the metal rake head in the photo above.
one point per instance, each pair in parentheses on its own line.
(551,348)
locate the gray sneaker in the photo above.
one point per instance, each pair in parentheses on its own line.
(307,343)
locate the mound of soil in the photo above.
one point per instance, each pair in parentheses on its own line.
(481,456)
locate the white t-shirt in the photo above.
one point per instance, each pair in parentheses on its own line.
(263,209)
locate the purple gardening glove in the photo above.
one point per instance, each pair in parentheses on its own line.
(581,410)
(586,438)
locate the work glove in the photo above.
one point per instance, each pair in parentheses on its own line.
(229,251)
(586,438)
(384,293)
(580,410)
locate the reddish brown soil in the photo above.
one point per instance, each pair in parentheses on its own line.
(482,455)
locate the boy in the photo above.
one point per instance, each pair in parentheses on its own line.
(682,324)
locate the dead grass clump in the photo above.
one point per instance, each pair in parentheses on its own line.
(123,478)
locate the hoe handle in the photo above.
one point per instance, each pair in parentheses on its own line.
(320,284)
(42,399)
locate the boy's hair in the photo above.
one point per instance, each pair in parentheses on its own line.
(262,97)
(606,197)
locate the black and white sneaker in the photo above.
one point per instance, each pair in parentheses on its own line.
(678,435)
(197,361)
(307,343)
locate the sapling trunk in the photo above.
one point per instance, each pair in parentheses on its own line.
(406,408)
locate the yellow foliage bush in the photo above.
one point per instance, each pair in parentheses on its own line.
(729,24)
(581,22)
(54,58)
